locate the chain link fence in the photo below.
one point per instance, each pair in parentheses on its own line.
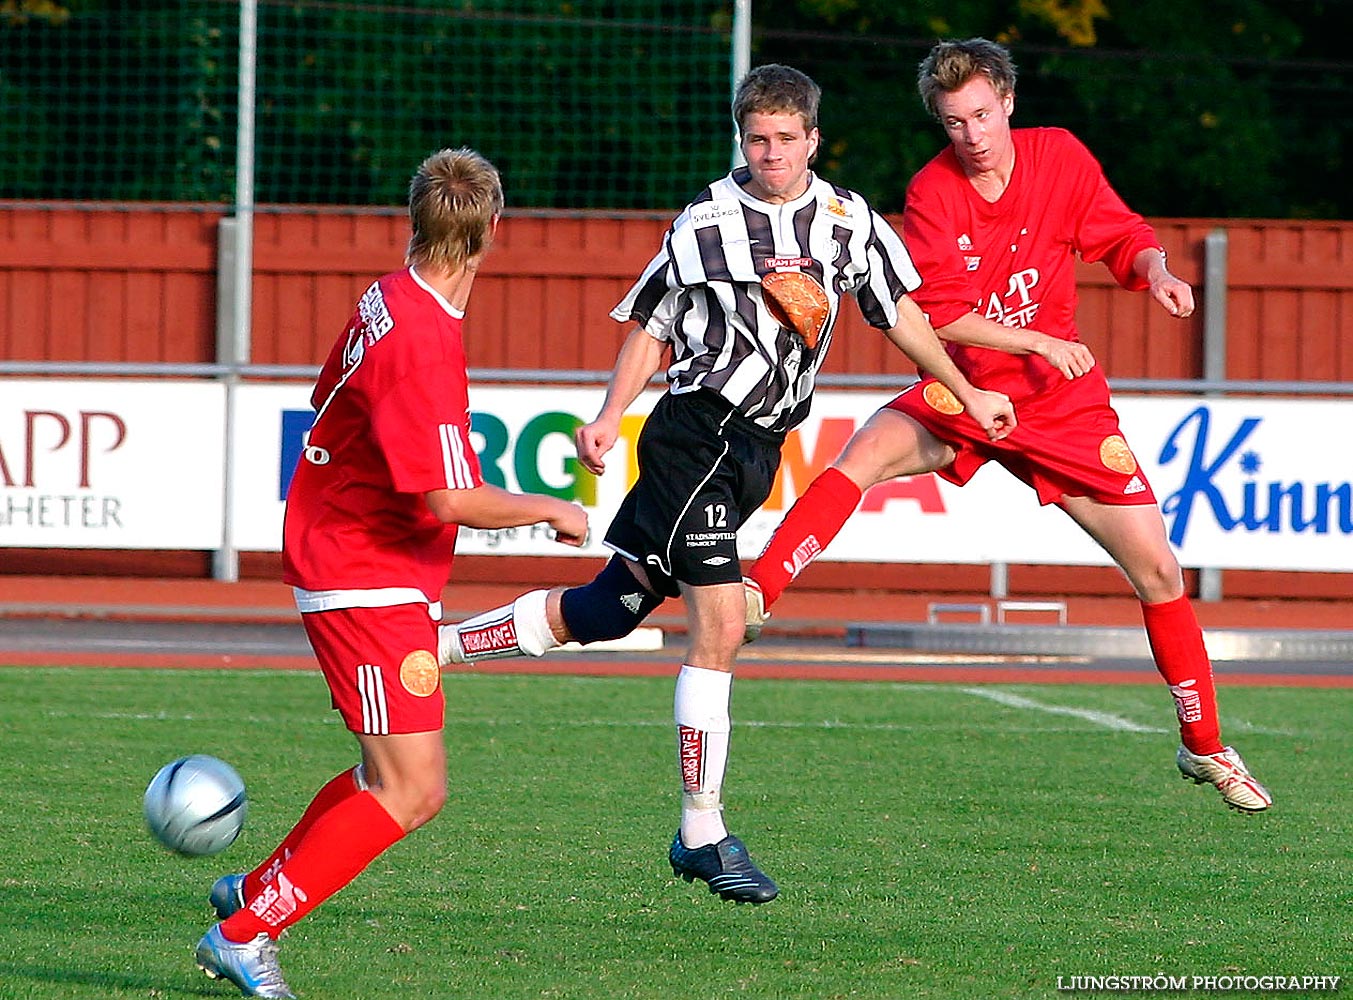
(603,105)
(585,104)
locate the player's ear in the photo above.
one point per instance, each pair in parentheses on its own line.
(814,141)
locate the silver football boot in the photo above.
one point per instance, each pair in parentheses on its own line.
(251,966)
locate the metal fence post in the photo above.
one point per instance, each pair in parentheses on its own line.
(225,563)
(1000,580)
(740,61)
(1214,357)
(235,277)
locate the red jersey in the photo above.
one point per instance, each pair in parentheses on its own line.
(1013,261)
(392,422)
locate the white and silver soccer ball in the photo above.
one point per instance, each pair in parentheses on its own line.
(196,805)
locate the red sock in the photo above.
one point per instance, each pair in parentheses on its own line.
(338,845)
(1177,644)
(806,530)
(339,787)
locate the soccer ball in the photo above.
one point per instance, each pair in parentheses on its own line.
(196,805)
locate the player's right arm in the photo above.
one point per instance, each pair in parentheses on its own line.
(489,506)
(639,359)
(1070,357)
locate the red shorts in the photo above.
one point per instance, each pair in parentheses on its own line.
(381,667)
(1066,443)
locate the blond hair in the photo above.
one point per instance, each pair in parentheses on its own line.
(952,64)
(453,199)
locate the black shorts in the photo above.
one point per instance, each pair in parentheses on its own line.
(703,470)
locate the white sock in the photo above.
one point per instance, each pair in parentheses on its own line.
(700,707)
(521,628)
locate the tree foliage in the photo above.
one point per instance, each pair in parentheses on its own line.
(1230,108)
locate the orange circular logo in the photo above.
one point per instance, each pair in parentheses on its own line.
(420,674)
(941,399)
(1116,455)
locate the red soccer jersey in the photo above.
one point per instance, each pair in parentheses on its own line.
(392,422)
(1013,261)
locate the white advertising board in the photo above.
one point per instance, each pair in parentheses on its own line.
(110,463)
(1244,483)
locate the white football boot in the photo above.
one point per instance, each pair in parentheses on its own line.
(1228,772)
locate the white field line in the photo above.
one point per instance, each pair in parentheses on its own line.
(453,722)
(1006,698)
(1105,719)
(1232,724)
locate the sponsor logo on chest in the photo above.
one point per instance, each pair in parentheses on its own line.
(709,213)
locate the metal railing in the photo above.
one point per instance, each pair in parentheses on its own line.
(580,376)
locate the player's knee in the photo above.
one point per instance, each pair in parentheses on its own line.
(727,637)
(412,803)
(1163,583)
(892,444)
(610,607)
(435,798)
(427,804)
(1157,580)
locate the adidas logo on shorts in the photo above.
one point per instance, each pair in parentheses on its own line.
(1135,485)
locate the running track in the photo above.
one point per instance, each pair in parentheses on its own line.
(251,624)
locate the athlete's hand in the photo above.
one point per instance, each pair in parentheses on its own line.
(1072,358)
(1173,293)
(570,524)
(993,412)
(593,441)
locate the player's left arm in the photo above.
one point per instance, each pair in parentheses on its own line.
(1174,294)
(489,506)
(1105,229)
(914,337)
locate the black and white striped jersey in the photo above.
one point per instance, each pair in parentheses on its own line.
(702,290)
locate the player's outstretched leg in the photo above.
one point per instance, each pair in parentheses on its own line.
(252,965)
(611,606)
(521,628)
(814,520)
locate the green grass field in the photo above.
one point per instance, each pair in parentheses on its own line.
(930,841)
